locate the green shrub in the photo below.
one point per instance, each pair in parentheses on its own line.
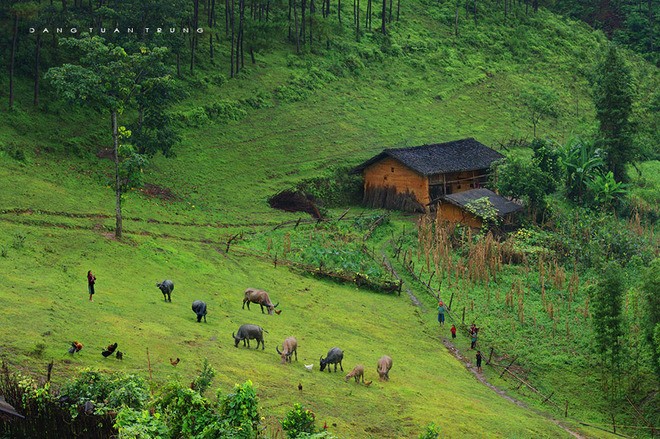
(431,431)
(187,413)
(337,188)
(136,424)
(224,111)
(203,381)
(297,421)
(240,410)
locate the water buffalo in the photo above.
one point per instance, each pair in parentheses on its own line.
(255,295)
(289,346)
(357,373)
(384,366)
(166,286)
(199,308)
(247,333)
(335,355)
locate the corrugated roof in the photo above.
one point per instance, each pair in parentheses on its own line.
(440,158)
(501,204)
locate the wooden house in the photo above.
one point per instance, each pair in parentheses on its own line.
(458,208)
(415,178)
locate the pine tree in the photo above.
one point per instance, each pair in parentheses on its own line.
(613,97)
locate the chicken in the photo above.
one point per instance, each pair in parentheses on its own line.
(309,367)
(76,346)
(119,355)
(368,383)
(300,386)
(109,350)
(174,362)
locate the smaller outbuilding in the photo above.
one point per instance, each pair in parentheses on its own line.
(465,208)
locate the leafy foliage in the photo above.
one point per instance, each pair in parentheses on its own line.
(298,420)
(431,431)
(613,96)
(205,377)
(136,424)
(240,409)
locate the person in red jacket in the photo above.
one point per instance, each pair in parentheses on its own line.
(91,279)
(453,331)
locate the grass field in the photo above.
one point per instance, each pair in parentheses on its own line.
(56,222)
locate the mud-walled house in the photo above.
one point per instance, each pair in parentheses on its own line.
(412,178)
(431,176)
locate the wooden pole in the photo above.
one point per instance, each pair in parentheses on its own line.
(490,356)
(450,300)
(463,319)
(547,398)
(506,369)
(566,409)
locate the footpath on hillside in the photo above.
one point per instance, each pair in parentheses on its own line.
(468,364)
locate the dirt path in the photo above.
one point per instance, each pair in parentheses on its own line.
(468,365)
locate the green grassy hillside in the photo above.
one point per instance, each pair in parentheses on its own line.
(290,117)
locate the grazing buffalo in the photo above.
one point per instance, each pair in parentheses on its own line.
(247,333)
(335,355)
(166,286)
(199,308)
(289,346)
(384,366)
(261,297)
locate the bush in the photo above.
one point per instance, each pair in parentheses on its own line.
(203,381)
(224,111)
(299,420)
(240,410)
(136,424)
(337,188)
(431,431)
(186,412)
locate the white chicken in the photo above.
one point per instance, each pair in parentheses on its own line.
(309,367)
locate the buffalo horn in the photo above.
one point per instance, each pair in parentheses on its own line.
(275,306)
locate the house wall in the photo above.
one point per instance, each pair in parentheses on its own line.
(458,181)
(455,214)
(392,173)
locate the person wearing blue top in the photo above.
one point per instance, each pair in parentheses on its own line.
(441,312)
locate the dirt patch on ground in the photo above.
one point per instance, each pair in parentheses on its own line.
(155,191)
(294,201)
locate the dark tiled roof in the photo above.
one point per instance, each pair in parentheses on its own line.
(502,205)
(440,158)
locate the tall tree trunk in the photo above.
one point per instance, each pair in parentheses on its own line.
(475,12)
(357,20)
(367,16)
(295,19)
(12,62)
(398,9)
(194,36)
(339,10)
(389,18)
(382,27)
(303,29)
(227,18)
(311,24)
(211,25)
(231,26)
(456,17)
(115,150)
(289,20)
(37,55)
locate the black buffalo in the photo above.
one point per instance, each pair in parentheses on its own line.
(166,286)
(247,333)
(335,355)
(199,308)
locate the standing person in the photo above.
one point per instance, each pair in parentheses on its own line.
(91,279)
(441,312)
(479,361)
(453,331)
(473,336)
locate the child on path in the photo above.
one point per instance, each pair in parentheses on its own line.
(441,312)
(453,331)
(473,336)
(91,279)
(479,361)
